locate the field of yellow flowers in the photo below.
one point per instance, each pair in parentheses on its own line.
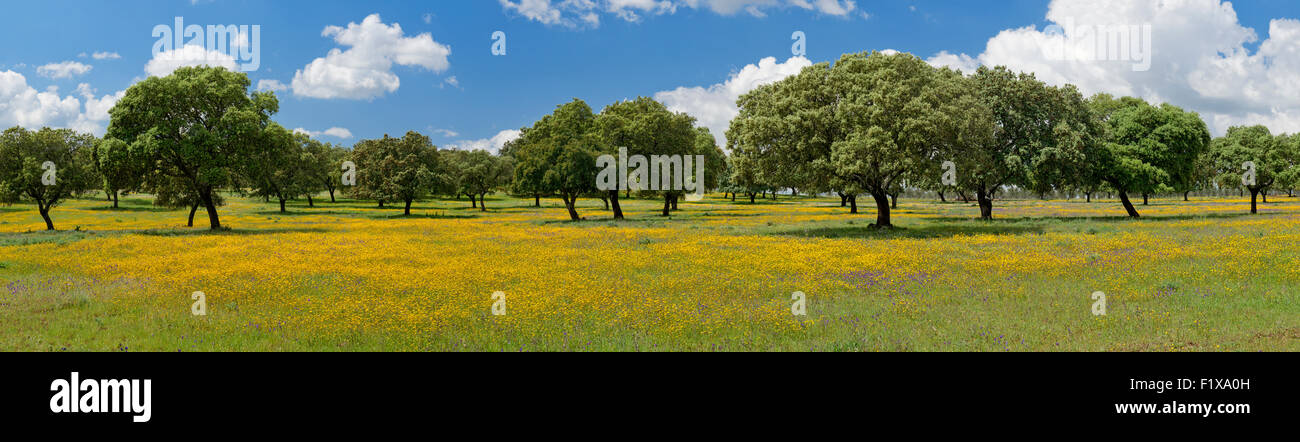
(349,276)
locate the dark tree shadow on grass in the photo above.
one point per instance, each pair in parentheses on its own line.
(129,209)
(943,230)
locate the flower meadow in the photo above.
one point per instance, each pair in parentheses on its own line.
(716,276)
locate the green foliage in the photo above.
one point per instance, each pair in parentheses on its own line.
(478,173)
(1007,129)
(197,128)
(397,169)
(322,165)
(1255,144)
(1147,149)
(277,170)
(119,169)
(22,156)
(556,156)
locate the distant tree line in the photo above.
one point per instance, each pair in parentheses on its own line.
(875,123)
(871,124)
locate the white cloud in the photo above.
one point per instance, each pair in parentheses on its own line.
(67,69)
(1198,60)
(451,81)
(586,13)
(492,145)
(271,85)
(336,132)
(22,105)
(166,62)
(715,106)
(106,56)
(446,132)
(364,70)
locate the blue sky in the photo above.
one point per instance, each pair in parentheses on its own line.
(556,51)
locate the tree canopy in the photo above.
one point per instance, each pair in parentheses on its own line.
(199,125)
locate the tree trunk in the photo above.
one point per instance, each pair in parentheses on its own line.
(310,201)
(482,204)
(751,196)
(472,203)
(733,197)
(114,199)
(193,208)
(1146,199)
(45,213)
(882,210)
(668,204)
(986,205)
(1254,208)
(1089,195)
(893,201)
(381,204)
(214,221)
(1128,205)
(281,205)
(537,200)
(332,195)
(613,202)
(569,203)
(844,200)
(853,204)
(605,199)
(941,198)
(407,212)
(1185,199)
(676,197)
(1264,193)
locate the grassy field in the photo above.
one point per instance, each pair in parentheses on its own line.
(718,275)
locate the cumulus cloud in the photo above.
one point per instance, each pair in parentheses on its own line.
(1199,57)
(166,62)
(587,13)
(336,132)
(22,105)
(364,70)
(67,69)
(715,106)
(492,145)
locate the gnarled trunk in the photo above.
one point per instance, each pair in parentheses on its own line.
(985,200)
(882,210)
(570,204)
